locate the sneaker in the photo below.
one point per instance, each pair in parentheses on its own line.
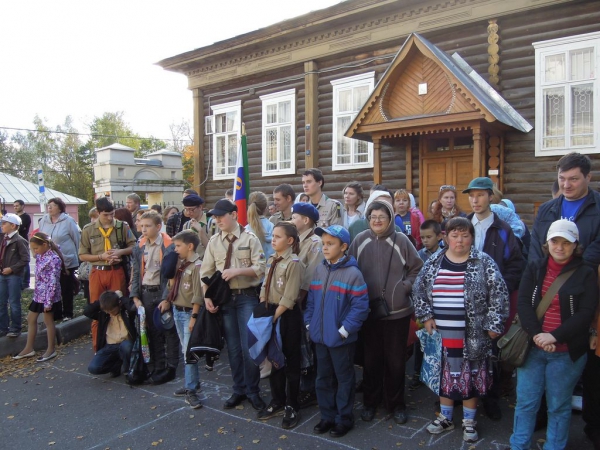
(290,418)
(306,399)
(469,427)
(192,399)
(271,411)
(13,334)
(180,392)
(440,425)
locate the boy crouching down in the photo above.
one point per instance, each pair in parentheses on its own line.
(116,333)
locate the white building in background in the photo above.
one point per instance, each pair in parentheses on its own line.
(118,173)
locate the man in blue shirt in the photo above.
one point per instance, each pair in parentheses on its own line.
(579,204)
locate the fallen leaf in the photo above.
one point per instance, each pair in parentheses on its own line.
(283,436)
(79,437)
(153,407)
(191,416)
(256,441)
(155,443)
(239,407)
(10,417)
(51,443)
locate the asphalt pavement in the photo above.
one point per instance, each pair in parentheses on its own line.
(58,404)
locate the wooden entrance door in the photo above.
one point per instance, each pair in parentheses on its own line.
(438,170)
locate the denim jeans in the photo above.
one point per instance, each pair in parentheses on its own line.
(553,373)
(10,299)
(111,358)
(192,372)
(246,374)
(335,383)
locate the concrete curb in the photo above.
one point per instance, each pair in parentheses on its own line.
(65,332)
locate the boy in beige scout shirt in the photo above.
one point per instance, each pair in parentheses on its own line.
(330,210)
(186,297)
(280,290)
(238,255)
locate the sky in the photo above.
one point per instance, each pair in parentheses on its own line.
(83,58)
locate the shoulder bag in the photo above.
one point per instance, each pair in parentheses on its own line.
(514,346)
(378,307)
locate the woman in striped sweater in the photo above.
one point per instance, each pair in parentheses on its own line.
(560,338)
(461,293)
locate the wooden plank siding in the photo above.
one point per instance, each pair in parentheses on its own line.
(527,179)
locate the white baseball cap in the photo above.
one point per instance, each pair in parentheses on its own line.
(565,229)
(11,218)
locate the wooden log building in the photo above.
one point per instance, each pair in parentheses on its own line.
(411,93)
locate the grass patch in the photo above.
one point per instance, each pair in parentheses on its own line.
(79,303)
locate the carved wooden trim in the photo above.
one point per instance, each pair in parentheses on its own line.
(493,53)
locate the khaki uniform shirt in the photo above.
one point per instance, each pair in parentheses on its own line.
(278,217)
(285,284)
(247,253)
(152,262)
(310,255)
(116,332)
(188,226)
(330,212)
(190,286)
(92,242)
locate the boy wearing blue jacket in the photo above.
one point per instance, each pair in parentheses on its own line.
(337,305)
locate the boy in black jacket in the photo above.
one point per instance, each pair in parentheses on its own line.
(14,256)
(116,333)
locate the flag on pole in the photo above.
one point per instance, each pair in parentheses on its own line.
(241,185)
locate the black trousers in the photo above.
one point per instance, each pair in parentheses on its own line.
(385,344)
(591,391)
(67,283)
(285,382)
(164,346)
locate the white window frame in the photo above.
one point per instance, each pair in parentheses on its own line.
(235,106)
(367,79)
(274,99)
(553,47)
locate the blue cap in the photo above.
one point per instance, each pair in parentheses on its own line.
(163,321)
(337,231)
(306,209)
(192,200)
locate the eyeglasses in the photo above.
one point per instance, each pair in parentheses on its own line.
(191,209)
(378,218)
(447,186)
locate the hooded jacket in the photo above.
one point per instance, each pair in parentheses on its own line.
(66,234)
(337,298)
(373,252)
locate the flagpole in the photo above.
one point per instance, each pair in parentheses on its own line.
(241,184)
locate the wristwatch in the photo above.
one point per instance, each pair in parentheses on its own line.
(194,315)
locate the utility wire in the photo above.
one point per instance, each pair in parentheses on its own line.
(95,135)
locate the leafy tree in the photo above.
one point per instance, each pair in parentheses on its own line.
(111,128)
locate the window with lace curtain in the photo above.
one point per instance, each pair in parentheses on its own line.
(279,133)
(226,138)
(349,96)
(567,106)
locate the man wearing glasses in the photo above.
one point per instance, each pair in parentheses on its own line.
(193,207)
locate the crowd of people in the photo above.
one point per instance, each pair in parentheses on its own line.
(322,286)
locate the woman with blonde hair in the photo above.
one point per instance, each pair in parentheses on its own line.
(354,205)
(258,223)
